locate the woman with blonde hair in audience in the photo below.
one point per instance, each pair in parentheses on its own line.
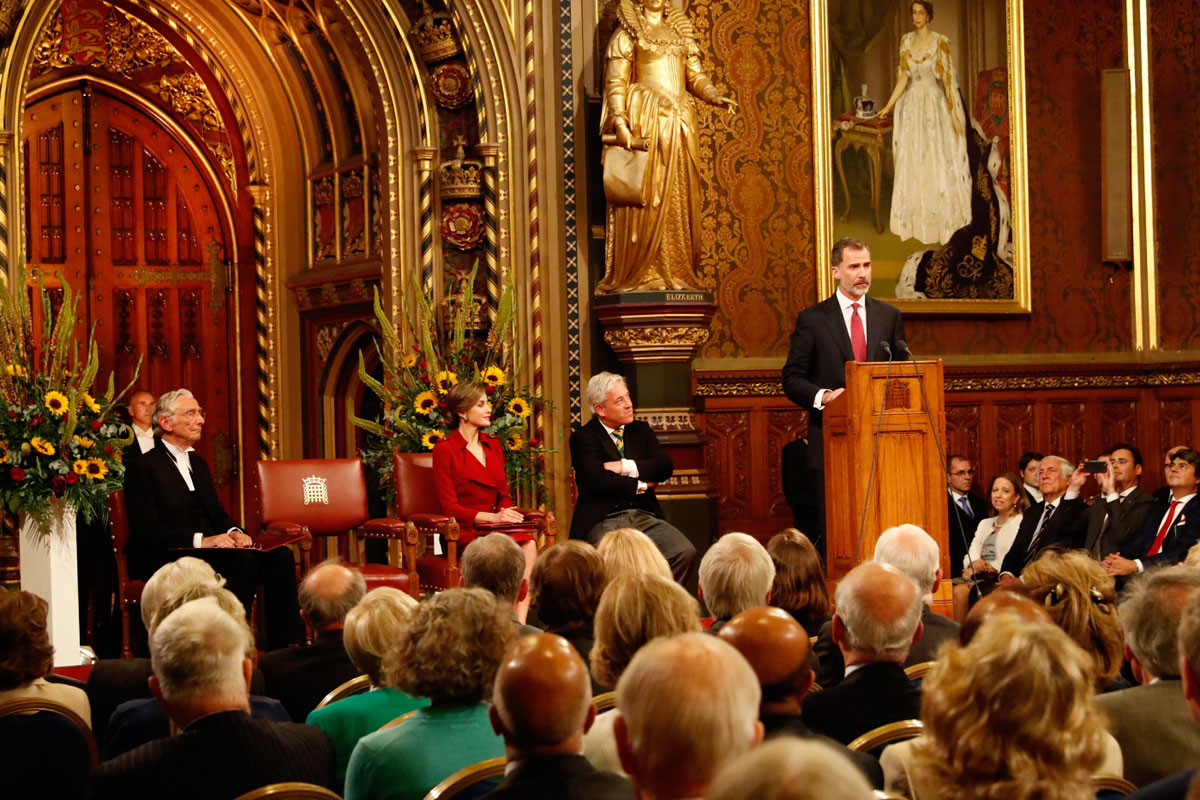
(633,610)
(1011,715)
(628,551)
(373,627)
(799,586)
(1081,598)
(27,656)
(449,652)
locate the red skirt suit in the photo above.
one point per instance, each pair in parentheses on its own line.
(465,487)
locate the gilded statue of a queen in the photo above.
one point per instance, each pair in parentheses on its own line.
(648,124)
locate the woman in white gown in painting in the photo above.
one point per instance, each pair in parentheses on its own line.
(931,191)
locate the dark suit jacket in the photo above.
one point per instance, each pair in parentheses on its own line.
(1125,518)
(136,722)
(872,695)
(962,528)
(565,777)
(1172,788)
(464,486)
(938,630)
(1183,533)
(218,757)
(602,492)
(776,725)
(1066,528)
(820,348)
(299,677)
(162,512)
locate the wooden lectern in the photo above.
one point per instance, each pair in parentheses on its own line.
(908,481)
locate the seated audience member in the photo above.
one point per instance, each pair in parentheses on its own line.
(878,617)
(113,681)
(914,552)
(1001,601)
(1150,721)
(1171,527)
(1060,519)
(170,496)
(799,586)
(633,610)
(1163,493)
(671,745)
(1028,468)
(301,676)
(618,461)
(372,628)
(735,574)
(1120,510)
(201,679)
(541,705)
(776,646)
(993,536)
(566,585)
(964,508)
(1082,600)
(1010,715)
(492,563)
(791,769)
(142,720)
(628,551)
(449,653)
(27,656)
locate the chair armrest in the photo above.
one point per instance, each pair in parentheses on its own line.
(544,521)
(382,528)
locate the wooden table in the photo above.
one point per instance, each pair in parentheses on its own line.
(869,135)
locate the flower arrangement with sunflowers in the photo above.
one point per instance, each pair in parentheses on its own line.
(416,379)
(58,440)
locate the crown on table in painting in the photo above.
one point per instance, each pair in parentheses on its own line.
(462,177)
(316,490)
(434,34)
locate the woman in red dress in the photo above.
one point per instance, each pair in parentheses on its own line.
(468,470)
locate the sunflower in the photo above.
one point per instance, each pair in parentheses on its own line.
(426,403)
(445,380)
(15,371)
(85,442)
(80,466)
(493,376)
(432,438)
(91,403)
(516,441)
(410,361)
(57,403)
(3,452)
(518,407)
(95,469)
(42,446)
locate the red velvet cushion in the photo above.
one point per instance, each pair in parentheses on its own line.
(377,575)
(433,571)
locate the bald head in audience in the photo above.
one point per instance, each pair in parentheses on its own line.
(776,647)
(542,699)
(1001,601)
(878,614)
(327,594)
(914,552)
(687,705)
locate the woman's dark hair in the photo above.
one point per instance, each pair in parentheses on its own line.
(461,397)
(25,649)
(799,586)
(925,4)
(566,585)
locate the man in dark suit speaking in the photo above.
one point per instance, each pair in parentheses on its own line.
(849,326)
(618,462)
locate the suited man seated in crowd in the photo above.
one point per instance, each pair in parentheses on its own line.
(201,679)
(542,706)
(791,769)
(1170,528)
(1163,492)
(495,562)
(618,462)
(1176,786)
(914,552)
(964,508)
(136,722)
(300,677)
(1059,519)
(686,706)
(1150,721)
(776,646)
(1121,507)
(172,503)
(878,618)
(735,574)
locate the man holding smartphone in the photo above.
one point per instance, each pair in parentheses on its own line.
(1121,507)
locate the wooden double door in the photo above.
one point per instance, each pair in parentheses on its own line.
(121,208)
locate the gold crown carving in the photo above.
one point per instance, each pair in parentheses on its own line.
(315,490)
(434,34)
(462,177)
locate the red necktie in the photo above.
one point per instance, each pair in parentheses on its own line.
(1156,548)
(858,336)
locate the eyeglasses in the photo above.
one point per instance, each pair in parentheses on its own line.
(191,413)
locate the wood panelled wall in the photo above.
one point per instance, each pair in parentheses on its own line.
(992,418)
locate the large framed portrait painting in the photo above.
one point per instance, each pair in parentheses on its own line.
(919,116)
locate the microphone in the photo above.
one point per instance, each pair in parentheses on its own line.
(902,346)
(887,348)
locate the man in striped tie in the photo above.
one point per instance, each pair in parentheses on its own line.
(1171,527)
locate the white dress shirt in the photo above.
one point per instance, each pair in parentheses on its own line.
(1183,501)
(847,314)
(182,463)
(144,438)
(628,465)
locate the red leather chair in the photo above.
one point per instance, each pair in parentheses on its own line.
(129,593)
(328,497)
(417,504)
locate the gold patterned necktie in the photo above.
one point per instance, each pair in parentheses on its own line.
(619,437)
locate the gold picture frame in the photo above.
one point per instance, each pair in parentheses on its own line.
(973,274)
